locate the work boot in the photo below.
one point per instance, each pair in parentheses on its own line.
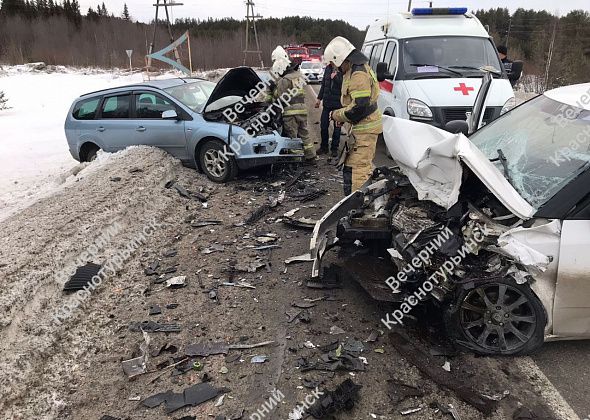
(334,153)
(311,161)
(322,150)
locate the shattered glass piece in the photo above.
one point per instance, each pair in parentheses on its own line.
(259,359)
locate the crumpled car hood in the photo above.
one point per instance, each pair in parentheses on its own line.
(431,159)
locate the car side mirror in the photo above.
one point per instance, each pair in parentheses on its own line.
(457,126)
(170,115)
(382,72)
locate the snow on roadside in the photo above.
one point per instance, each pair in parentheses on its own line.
(33,147)
(34,155)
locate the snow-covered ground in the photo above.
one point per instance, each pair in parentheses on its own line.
(33,149)
(34,156)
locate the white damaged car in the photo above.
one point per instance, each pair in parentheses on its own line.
(493,228)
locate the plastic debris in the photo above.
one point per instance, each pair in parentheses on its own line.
(138,365)
(193,396)
(334,330)
(151,326)
(259,359)
(176,282)
(342,398)
(82,277)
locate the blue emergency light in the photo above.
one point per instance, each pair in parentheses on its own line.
(423,11)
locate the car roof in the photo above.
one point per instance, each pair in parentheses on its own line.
(405,25)
(157,84)
(573,95)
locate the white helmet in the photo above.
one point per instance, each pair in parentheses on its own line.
(279,53)
(337,50)
(279,67)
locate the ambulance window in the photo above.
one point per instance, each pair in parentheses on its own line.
(375,55)
(390,57)
(367,50)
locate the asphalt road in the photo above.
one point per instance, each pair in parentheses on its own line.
(566,364)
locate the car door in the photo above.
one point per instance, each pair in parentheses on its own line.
(151,130)
(113,125)
(571,313)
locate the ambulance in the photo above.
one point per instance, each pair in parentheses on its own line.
(430,63)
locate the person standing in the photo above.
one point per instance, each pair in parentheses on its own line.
(360,91)
(329,98)
(291,80)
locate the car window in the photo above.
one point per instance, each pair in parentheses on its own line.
(116,107)
(375,55)
(390,57)
(194,94)
(86,109)
(367,50)
(151,105)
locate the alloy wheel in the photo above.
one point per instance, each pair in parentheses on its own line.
(498,317)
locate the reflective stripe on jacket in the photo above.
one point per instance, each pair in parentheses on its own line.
(292,80)
(360,91)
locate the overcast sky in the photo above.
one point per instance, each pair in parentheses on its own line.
(357,12)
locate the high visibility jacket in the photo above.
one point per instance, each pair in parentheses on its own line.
(360,91)
(292,83)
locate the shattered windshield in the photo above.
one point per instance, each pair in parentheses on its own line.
(194,95)
(540,147)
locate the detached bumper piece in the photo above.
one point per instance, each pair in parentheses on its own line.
(82,277)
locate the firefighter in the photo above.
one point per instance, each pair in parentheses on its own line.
(360,91)
(290,88)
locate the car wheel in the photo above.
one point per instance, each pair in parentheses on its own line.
(213,160)
(91,154)
(499,317)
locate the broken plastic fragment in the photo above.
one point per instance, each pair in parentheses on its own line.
(299,258)
(82,277)
(259,359)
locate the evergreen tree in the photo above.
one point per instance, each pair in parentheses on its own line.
(3,101)
(126,15)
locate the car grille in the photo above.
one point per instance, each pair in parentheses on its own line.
(459,113)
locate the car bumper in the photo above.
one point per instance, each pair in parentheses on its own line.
(270,150)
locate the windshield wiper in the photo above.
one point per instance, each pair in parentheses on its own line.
(502,158)
(439,67)
(490,69)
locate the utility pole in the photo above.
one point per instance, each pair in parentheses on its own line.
(251,22)
(550,54)
(508,34)
(165,4)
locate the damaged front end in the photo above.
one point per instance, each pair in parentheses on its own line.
(406,242)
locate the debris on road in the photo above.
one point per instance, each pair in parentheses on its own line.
(398,391)
(138,365)
(342,398)
(151,326)
(429,368)
(82,277)
(193,396)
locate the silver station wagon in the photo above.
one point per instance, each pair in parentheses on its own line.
(183,116)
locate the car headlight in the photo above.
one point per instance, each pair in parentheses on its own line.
(510,103)
(419,109)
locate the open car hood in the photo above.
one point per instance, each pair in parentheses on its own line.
(431,159)
(237,82)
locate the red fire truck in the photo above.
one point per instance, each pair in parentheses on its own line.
(305,52)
